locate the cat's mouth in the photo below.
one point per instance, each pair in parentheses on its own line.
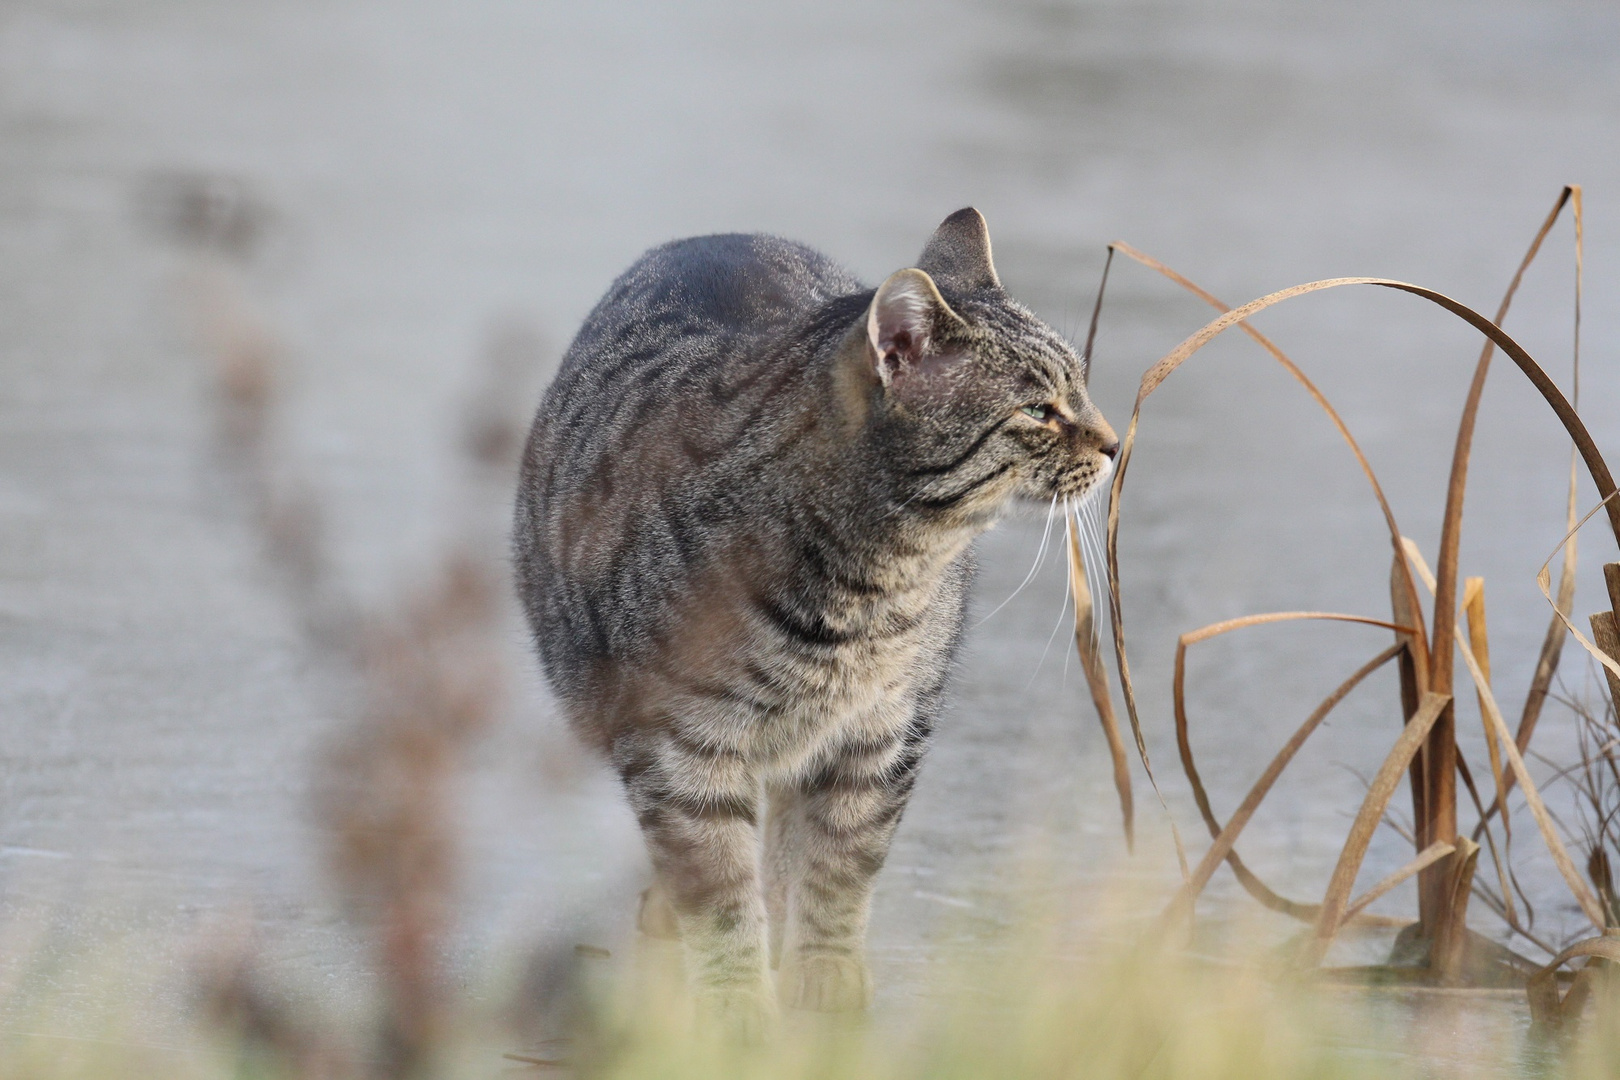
(1082,481)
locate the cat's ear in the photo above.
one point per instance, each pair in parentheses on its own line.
(903,324)
(958,254)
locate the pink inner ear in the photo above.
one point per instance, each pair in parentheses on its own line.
(901,322)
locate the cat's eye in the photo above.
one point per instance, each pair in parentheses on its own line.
(1043,413)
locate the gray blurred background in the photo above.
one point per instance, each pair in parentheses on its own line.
(432,185)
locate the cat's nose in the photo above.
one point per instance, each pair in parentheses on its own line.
(1109,449)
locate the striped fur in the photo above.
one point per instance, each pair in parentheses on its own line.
(743,544)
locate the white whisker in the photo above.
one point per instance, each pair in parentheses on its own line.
(1040,557)
(1088,561)
(1062,611)
(1068,536)
(1096,563)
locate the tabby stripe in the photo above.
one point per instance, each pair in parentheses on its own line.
(939,470)
(700,808)
(957,496)
(811,631)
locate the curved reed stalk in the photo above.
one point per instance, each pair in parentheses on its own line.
(1225,836)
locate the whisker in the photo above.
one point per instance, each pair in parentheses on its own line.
(1099,569)
(1088,562)
(1062,611)
(1068,535)
(1040,557)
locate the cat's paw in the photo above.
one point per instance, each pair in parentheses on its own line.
(656,917)
(824,983)
(737,1014)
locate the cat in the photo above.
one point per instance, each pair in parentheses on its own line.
(743,543)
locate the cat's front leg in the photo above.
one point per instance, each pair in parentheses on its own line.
(700,827)
(848,811)
(783,826)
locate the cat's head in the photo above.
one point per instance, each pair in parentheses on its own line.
(976,400)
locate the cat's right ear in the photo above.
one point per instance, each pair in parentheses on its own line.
(903,324)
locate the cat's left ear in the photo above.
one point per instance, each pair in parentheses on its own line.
(905,323)
(958,254)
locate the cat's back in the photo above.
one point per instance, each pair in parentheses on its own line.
(641,453)
(723,285)
(676,335)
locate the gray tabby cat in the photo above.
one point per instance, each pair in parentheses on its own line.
(742,541)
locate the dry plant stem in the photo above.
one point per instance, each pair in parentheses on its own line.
(1553,643)
(1549,834)
(1406,584)
(1440,819)
(1085,642)
(1546,1007)
(1543,578)
(1225,837)
(1486,704)
(1426,858)
(1161,370)
(1449,948)
(1336,900)
(1479,643)
(1605,633)
(1606,629)
(1414,663)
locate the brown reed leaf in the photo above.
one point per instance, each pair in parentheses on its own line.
(1607,637)
(1225,837)
(1493,718)
(1336,900)
(1549,834)
(1299,376)
(1479,644)
(1445,615)
(1424,859)
(1546,1005)
(1543,580)
(1085,642)
(1440,771)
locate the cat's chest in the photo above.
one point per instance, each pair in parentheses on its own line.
(864,688)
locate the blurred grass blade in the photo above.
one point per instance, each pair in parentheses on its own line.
(1085,641)
(1337,898)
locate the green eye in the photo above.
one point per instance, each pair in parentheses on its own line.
(1043,413)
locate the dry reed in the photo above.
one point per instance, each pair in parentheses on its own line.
(1426,751)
